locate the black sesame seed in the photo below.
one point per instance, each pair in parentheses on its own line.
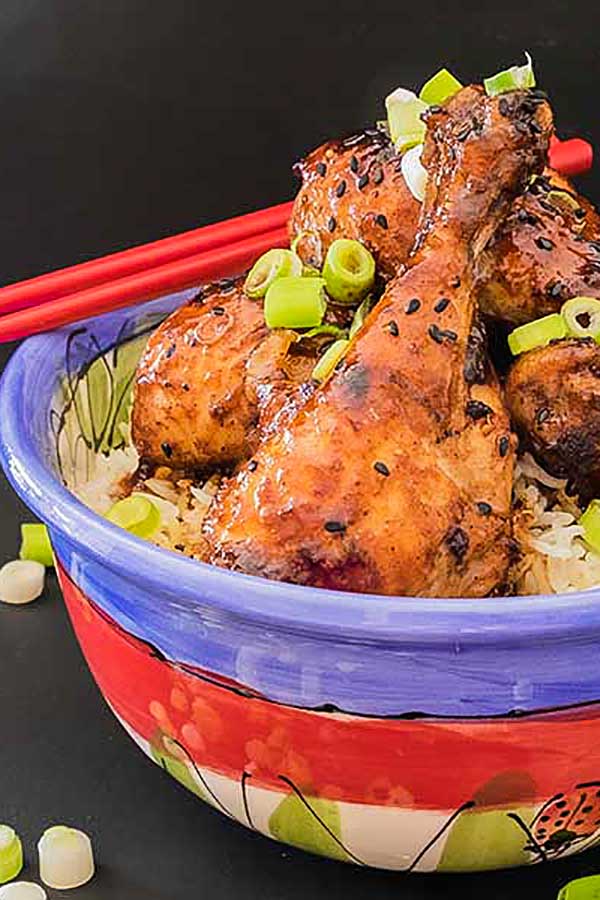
(439,334)
(334,527)
(475,409)
(504,107)
(393,328)
(321,169)
(340,189)
(522,215)
(412,306)
(457,541)
(185,386)
(331,224)
(167,450)
(381,220)
(363,182)
(503,445)
(542,414)
(455,282)
(434,109)
(179,547)
(463,132)
(579,213)
(353,164)
(171,351)
(484,509)
(252,465)
(535,127)
(218,311)
(377,176)
(441,305)
(544,243)
(381,468)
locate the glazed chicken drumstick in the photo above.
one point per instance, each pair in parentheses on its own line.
(396,476)
(199,399)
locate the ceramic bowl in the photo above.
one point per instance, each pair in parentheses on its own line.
(396,732)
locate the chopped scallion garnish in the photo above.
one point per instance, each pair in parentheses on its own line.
(349,271)
(404,110)
(325,331)
(590,522)
(513,79)
(440,88)
(587,888)
(11,854)
(582,317)
(537,334)
(415,174)
(295,302)
(66,858)
(135,514)
(329,360)
(35,544)
(273,264)
(361,314)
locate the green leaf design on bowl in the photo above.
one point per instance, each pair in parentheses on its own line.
(176,768)
(311,824)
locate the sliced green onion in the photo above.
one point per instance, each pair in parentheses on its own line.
(328,330)
(537,334)
(590,522)
(311,272)
(295,302)
(415,174)
(11,854)
(513,79)
(404,111)
(329,360)
(135,514)
(272,265)
(587,888)
(361,314)
(35,544)
(294,245)
(582,317)
(66,858)
(23,890)
(440,88)
(349,271)
(563,200)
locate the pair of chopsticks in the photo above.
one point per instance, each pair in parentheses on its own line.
(173,264)
(140,273)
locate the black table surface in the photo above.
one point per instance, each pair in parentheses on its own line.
(127,120)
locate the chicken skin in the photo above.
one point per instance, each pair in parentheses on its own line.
(354,188)
(395,477)
(553,394)
(546,250)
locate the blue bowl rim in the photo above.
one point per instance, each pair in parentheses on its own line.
(324,614)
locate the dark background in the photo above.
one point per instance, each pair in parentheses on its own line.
(126,121)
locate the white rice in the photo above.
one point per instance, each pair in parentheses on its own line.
(554,557)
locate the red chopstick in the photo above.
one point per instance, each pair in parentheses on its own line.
(219,262)
(44,288)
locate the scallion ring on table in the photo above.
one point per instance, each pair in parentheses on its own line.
(35,544)
(537,334)
(582,317)
(349,271)
(513,79)
(274,264)
(329,360)
(11,854)
(295,302)
(440,88)
(135,514)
